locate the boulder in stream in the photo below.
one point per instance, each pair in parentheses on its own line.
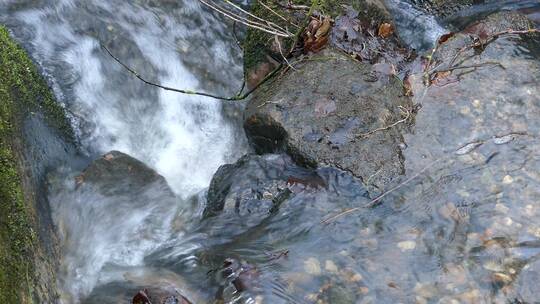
(333,110)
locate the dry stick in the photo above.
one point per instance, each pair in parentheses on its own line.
(378,198)
(281,52)
(250,23)
(291,6)
(277,14)
(407,116)
(190,92)
(250,14)
(269,23)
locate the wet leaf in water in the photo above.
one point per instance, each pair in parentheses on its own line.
(468,148)
(445,37)
(385,30)
(141,298)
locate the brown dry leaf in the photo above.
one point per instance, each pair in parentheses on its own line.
(316,35)
(79,180)
(385,30)
(443,78)
(324,29)
(445,37)
(407,87)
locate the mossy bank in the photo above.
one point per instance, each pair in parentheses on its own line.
(27,253)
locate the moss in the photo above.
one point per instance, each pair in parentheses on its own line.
(22,92)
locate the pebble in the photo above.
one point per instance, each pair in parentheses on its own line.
(425,290)
(259,299)
(529,210)
(406,245)
(492,266)
(420,300)
(267,195)
(501,208)
(312,266)
(501,278)
(472,296)
(330,266)
(508,179)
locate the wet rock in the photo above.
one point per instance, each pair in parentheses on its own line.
(443,8)
(118,173)
(116,200)
(237,278)
(157,296)
(324,112)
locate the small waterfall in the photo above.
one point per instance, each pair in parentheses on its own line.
(184,138)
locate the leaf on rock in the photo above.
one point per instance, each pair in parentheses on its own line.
(385,30)
(316,35)
(348,26)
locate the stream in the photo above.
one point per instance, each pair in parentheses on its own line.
(438,237)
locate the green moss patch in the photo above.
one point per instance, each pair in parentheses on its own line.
(22,92)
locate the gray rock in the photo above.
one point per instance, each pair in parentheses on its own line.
(318,111)
(117,173)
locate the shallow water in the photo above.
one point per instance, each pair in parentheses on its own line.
(461,226)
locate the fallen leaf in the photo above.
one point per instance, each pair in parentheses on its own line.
(348,26)
(141,298)
(445,37)
(316,35)
(407,87)
(438,77)
(385,30)
(79,180)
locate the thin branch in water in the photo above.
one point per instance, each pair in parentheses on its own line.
(238,43)
(191,92)
(375,201)
(475,44)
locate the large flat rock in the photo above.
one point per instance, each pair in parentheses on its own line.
(325,111)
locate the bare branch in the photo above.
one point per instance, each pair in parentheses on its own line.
(191,92)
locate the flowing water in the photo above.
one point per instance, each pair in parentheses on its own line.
(464,229)
(175,43)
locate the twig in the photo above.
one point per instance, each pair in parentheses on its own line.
(238,43)
(277,14)
(291,6)
(267,26)
(191,92)
(276,38)
(380,197)
(407,113)
(477,43)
